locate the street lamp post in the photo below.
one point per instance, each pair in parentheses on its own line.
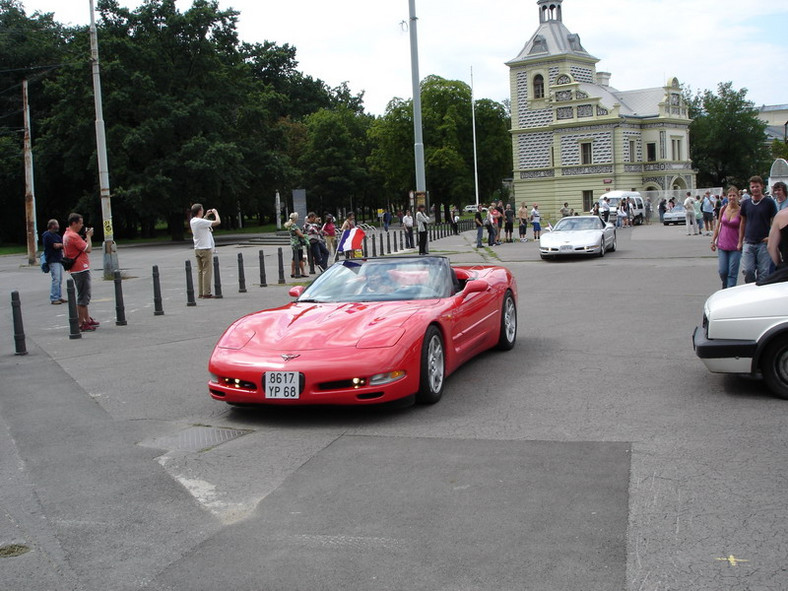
(421,183)
(110,249)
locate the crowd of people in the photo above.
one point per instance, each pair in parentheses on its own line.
(748,230)
(745,226)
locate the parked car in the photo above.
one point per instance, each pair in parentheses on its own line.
(745,331)
(367,331)
(638,208)
(677,215)
(472,208)
(578,235)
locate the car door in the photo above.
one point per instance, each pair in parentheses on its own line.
(475,318)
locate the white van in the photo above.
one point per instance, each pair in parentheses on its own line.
(638,205)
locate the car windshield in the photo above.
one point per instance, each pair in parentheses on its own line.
(677,209)
(390,279)
(572,224)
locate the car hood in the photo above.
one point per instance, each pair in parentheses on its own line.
(570,237)
(313,326)
(748,301)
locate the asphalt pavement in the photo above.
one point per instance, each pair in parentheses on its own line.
(598,454)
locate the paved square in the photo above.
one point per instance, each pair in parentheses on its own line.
(420,513)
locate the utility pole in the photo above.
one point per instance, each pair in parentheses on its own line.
(418,147)
(110,249)
(30,192)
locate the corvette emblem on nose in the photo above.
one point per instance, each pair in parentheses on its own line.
(289,356)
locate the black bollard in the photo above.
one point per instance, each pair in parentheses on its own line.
(189,285)
(395,241)
(281,267)
(157,307)
(241,276)
(73,317)
(217,279)
(381,245)
(120,308)
(19,329)
(374,247)
(262,270)
(366,248)
(388,243)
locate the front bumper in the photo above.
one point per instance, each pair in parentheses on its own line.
(724,355)
(569,250)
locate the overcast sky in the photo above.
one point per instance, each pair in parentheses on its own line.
(642,43)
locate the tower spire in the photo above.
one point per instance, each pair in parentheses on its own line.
(549,10)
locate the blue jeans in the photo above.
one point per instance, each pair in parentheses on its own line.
(56,271)
(728,268)
(491,235)
(479,235)
(755,261)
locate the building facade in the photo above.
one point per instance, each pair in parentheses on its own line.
(574,137)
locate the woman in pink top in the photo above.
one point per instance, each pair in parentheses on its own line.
(726,240)
(330,233)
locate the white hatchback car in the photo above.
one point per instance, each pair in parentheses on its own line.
(745,331)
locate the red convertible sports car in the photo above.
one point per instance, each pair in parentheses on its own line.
(367,331)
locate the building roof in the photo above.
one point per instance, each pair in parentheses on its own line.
(634,103)
(552,39)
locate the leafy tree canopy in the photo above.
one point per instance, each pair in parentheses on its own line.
(727,139)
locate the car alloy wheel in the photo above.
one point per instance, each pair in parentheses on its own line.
(775,367)
(433,368)
(508,323)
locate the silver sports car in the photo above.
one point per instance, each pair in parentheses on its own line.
(576,235)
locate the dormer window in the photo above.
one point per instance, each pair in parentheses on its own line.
(538,86)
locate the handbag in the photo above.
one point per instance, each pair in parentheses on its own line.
(67,263)
(44,264)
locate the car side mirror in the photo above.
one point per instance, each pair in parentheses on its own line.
(296,291)
(475,286)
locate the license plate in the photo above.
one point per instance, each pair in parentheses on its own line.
(282,385)
(565,247)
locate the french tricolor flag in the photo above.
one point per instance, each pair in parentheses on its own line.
(352,239)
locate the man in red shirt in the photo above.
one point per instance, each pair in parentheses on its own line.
(77,248)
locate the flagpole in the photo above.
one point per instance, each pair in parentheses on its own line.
(475,159)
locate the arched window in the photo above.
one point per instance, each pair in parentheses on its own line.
(538,86)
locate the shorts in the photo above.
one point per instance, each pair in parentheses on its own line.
(537,226)
(509,227)
(82,283)
(298,255)
(708,216)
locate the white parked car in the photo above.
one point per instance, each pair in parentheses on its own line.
(745,331)
(472,208)
(677,215)
(578,235)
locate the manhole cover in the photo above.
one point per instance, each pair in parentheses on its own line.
(12,550)
(195,438)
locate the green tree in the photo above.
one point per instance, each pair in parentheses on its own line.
(30,48)
(448,143)
(727,139)
(780,149)
(334,158)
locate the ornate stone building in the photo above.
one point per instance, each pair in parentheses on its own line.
(575,137)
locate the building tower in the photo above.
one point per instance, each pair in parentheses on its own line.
(574,137)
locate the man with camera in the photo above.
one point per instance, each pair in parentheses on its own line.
(77,248)
(202,232)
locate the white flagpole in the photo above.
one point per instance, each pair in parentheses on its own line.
(475,160)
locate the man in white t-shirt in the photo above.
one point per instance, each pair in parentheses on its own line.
(202,232)
(689,214)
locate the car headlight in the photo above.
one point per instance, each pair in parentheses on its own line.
(386,378)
